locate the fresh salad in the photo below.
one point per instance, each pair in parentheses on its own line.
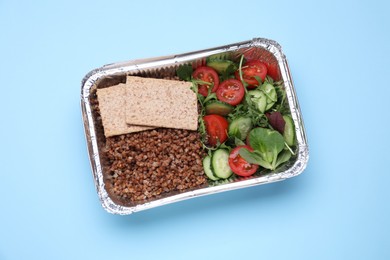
(244,119)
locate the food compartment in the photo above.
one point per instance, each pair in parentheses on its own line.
(169,167)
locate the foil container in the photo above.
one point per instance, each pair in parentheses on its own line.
(266,50)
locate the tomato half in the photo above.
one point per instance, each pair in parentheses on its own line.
(250,70)
(273,71)
(216,127)
(231,91)
(238,165)
(206,74)
(251,54)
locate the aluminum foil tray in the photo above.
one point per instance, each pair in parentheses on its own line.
(266,50)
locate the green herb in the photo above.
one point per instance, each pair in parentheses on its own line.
(201,82)
(228,72)
(240,73)
(249,109)
(201,125)
(264,96)
(281,106)
(202,101)
(184,72)
(267,144)
(224,146)
(269,79)
(210,96)
(258,80)
(271,148)
(283,157)
(255,158)
(289,148)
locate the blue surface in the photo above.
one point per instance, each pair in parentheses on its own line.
(338,208)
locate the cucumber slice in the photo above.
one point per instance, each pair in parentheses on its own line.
(259,98)
(270,92)
(207,168)
(289,130)
(240,127)
(220,164)
(220,56)
(265,97)
(221,66)
(218,107)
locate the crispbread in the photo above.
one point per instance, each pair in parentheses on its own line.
(112,109)
(161,103)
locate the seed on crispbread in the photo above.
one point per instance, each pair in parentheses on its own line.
(160,103)
(112,109)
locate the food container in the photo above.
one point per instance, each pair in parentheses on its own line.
(266,50)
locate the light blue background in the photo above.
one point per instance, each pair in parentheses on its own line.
(338,208)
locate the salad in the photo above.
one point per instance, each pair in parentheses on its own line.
(244,121)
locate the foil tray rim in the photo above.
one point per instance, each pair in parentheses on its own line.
(135,65)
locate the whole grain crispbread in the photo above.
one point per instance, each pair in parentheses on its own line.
(112,109)
(160,103)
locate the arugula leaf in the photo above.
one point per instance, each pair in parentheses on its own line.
(224,146)
(289,148)
(202,128)
(228,72)
(201,82)
(270,148)
(240,73)
(184,72)
(258,79)
(201,98)
(269,79)
(249,109)
(211,96)
(282,105)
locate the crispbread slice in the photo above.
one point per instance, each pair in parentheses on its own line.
(112,109)
(161,103)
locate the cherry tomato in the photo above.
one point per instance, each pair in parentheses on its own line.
(273,71)
(231,91)
(250,70)
(216,128)
(238,165)
(251,54)
(206,74)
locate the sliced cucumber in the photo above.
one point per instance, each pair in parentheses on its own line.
(240,127)
(207,168)
(289,131)
(218,107)
(270,92)
(221,66)
(220,56)
(220,164)
(264,97)
(259,98)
